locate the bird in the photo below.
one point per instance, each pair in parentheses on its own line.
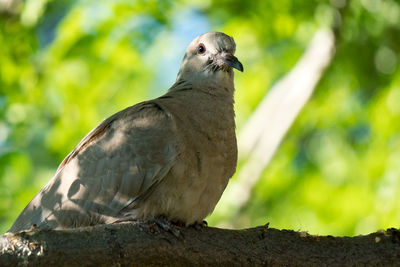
(170,157)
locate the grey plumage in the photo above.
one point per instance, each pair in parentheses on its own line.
(171,156)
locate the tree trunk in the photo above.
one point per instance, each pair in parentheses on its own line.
(144,244)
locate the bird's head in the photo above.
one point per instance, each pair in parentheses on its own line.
(210,57)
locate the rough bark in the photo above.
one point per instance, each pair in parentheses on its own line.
(134,244)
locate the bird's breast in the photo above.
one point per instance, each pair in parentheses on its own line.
(207,159)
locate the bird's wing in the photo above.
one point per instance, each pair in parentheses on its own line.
(114,166)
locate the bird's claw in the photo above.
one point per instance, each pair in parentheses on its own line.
(200,225)
(167,226)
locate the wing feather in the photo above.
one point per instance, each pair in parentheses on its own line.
(109,171)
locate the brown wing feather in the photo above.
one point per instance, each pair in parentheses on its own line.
(92,136)
(113,167)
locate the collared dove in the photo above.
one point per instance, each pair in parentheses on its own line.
(168,157)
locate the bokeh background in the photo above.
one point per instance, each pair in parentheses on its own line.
(65,65)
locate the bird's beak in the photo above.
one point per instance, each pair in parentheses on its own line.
(231,61)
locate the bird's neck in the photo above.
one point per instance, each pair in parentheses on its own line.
(208,104)
(218,85)
(206,93)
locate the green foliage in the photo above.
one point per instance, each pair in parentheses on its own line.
(338,168)
(66,65)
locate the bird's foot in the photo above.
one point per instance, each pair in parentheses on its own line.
(167,226)
(200,225)
(156,224)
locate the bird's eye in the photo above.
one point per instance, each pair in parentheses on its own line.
(201,49)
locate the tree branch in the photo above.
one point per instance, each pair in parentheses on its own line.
(135,244)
